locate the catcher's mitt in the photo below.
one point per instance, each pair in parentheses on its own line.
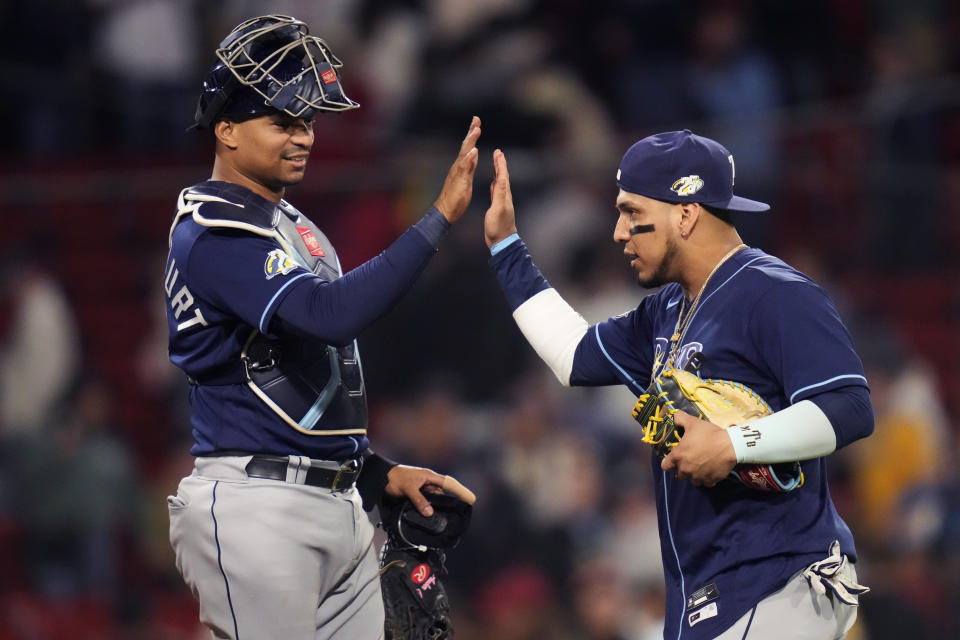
(412,562)
(721,402)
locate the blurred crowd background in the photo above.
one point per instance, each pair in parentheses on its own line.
(844,114)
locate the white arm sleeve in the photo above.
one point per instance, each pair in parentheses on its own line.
(799,432)
(553,329)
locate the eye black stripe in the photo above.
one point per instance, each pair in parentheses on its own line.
(642,228)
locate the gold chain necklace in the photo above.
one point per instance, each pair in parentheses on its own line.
(683,321)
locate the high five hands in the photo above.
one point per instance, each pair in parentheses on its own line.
(499,222)
(458,186)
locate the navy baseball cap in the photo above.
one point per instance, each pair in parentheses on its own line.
(680,166)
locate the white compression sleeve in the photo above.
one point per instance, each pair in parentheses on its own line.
(799,432)
(553,329)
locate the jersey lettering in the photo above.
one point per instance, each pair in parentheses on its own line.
(182,301)
(196,319)
(171,277)
(685,352)
(660,350)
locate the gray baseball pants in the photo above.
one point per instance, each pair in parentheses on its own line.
(797,612)
(269,559)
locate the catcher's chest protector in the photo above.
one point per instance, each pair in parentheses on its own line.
(314,387)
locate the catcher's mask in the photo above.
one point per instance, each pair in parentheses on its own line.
(267,65)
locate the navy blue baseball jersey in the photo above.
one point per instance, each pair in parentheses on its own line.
(764,324)
(234,284)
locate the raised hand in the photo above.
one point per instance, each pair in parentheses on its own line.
(458,187)
(499,222)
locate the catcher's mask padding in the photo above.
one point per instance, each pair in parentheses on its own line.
(270,64)
(442,530)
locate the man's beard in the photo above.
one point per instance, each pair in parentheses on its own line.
(660,276)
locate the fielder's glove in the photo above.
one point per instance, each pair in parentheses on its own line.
(412,562)
(721,402)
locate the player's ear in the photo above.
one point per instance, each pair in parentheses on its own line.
(226,133)
(690,213)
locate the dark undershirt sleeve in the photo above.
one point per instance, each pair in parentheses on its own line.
(518,276)
(373,478)
(849,411)
(336,312)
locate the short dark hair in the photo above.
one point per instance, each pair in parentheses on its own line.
(723,214)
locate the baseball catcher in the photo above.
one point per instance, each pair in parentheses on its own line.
(263,320)
(412,563)
(721,402)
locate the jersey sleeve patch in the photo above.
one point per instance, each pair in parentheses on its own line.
(278,264)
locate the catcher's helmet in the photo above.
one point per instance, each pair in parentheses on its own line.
(270,64)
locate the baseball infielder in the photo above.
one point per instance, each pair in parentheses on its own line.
(269,530)
(738,563)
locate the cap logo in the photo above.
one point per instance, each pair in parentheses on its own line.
(687,185)
(733,170)
(618,175)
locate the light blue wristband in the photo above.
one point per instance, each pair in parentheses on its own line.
(503,244)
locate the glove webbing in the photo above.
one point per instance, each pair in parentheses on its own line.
(652,415)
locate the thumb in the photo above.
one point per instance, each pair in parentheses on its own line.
(683,419)
(667,463)
(501,176)
(506,178)
(420,502)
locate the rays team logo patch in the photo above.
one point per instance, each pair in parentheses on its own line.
(420,573)
(278,264)
(687,185)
